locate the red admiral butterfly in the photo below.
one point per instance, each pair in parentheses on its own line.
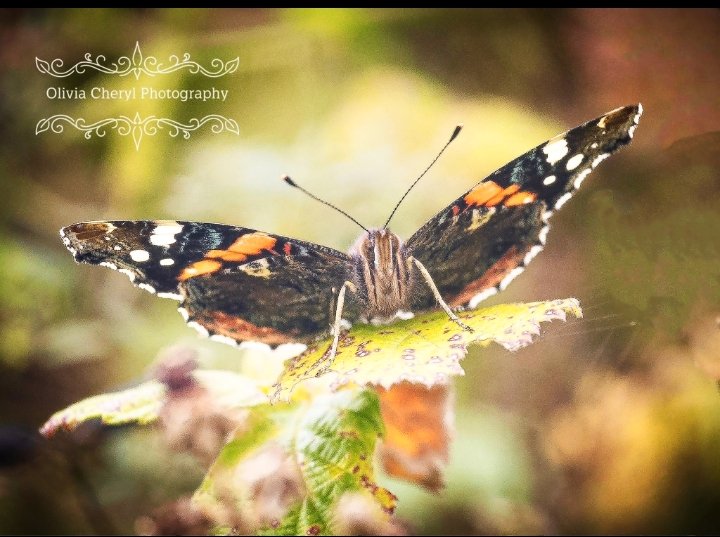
(236,284)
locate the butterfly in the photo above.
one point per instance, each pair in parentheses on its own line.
(237,284)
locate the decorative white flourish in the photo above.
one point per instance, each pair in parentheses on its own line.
(137,65)
(137,126)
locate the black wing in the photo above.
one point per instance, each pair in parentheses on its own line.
(484,239)
(235,284)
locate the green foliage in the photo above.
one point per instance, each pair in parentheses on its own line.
(322,448)
(326,448)
(289,468)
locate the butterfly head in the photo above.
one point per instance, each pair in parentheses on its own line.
(380,249)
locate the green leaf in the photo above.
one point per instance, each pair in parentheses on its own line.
(142,404)
(318,451)
(423,350)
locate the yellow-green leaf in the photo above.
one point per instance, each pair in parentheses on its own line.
(424,350)
(142,404)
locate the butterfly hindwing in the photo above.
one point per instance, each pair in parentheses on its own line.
(483,240)
(474,251)
(235,283)
(274,300)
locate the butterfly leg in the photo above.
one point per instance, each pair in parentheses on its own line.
(438,296)
(337,326)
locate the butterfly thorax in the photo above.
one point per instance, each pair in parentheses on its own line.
(382,273)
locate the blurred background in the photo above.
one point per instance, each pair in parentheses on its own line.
(606,424)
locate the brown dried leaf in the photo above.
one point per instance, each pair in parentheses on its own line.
(418,426)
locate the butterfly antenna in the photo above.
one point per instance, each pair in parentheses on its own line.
(313,196)
(454,135)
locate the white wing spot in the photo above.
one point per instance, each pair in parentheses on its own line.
(574,161)
(164,233)
(167,262)
(149,288)
(127,273)
(224,339)
(510,277)
(172,296)
(199,328)
(117,247)
(542,236)
(555,150)
(67,243)
(581,177)
(636,119)
(594,145)
(563,200)
(535,250)
(140,255)
(597,160)
(482,295)
(550,179)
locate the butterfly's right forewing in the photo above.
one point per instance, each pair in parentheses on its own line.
(478,244)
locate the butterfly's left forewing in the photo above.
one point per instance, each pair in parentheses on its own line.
(234,284)
(484,239)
